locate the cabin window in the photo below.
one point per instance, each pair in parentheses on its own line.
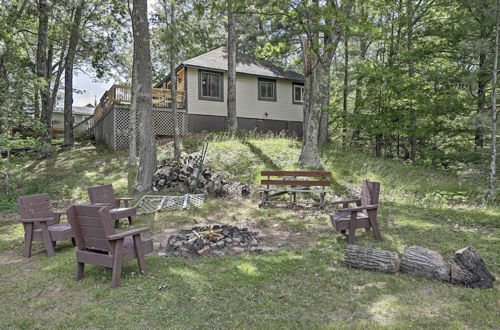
(211,86)
(267,90)
(298,94)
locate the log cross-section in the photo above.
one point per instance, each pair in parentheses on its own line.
(469,269)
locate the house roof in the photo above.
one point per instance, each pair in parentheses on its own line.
(80,110)
(245,64)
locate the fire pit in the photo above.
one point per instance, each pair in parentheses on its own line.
(215,240)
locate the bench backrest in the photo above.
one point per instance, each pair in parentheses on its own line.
(323,178)
(103,194)
(91,224)
(36,207)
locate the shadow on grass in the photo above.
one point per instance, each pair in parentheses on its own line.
(268,162)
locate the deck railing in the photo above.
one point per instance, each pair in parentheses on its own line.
(162,98)
(84,128)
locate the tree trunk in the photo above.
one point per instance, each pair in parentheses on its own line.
(378,145)
(147,146)
(173,89)
(421,262)
(309,156)
(42,73)
(232,119)
(411,74)
(319,87)
(363,47)
(482,81)
(307,60)
(468,268)
(370,259)
(492,168)
(132,138)
(346,88)
(36,105)
(323,128)
(69,138)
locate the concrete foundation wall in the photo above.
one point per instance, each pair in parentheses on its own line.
(198,123)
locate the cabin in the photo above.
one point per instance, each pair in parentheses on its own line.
(80,113)
(268,98)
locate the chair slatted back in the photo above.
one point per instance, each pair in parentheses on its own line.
(322,178)
(103,194)
(36,207)
(91,224)
(370,192)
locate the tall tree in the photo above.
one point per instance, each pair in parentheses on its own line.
(328,19)
(132,148)
(493,152)
(143,99)
(43,74)
(232,41)
(345,89)
(74,38)
(173,86)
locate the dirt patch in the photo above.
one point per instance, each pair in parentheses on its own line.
(270,238)
(273,234)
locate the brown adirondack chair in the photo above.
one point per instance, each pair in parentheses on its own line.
(41,223)
(104,195)
(364,215)
(98,244)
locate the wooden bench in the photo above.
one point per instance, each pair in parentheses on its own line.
(288,182)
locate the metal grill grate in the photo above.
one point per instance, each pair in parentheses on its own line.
(152,203)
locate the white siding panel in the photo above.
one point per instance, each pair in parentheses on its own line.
(247,103)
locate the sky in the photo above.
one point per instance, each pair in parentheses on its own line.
(94,89)
(91,89)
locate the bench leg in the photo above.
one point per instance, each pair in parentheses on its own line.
(322,200)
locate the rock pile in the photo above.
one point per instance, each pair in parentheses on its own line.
(187,176)
(212,240)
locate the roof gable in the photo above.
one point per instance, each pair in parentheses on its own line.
(217,60)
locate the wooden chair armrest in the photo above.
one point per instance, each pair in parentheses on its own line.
(125,200)
(346,201)
(128,233)
(58,215)
(359,208)
(36,220)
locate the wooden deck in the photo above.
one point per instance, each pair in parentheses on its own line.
(121,94)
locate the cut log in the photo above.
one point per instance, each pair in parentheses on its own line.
(364,258)
(421,262)
(469,269)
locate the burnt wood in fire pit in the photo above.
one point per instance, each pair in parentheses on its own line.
(216,240)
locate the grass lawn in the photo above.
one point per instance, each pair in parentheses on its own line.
(299,284)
